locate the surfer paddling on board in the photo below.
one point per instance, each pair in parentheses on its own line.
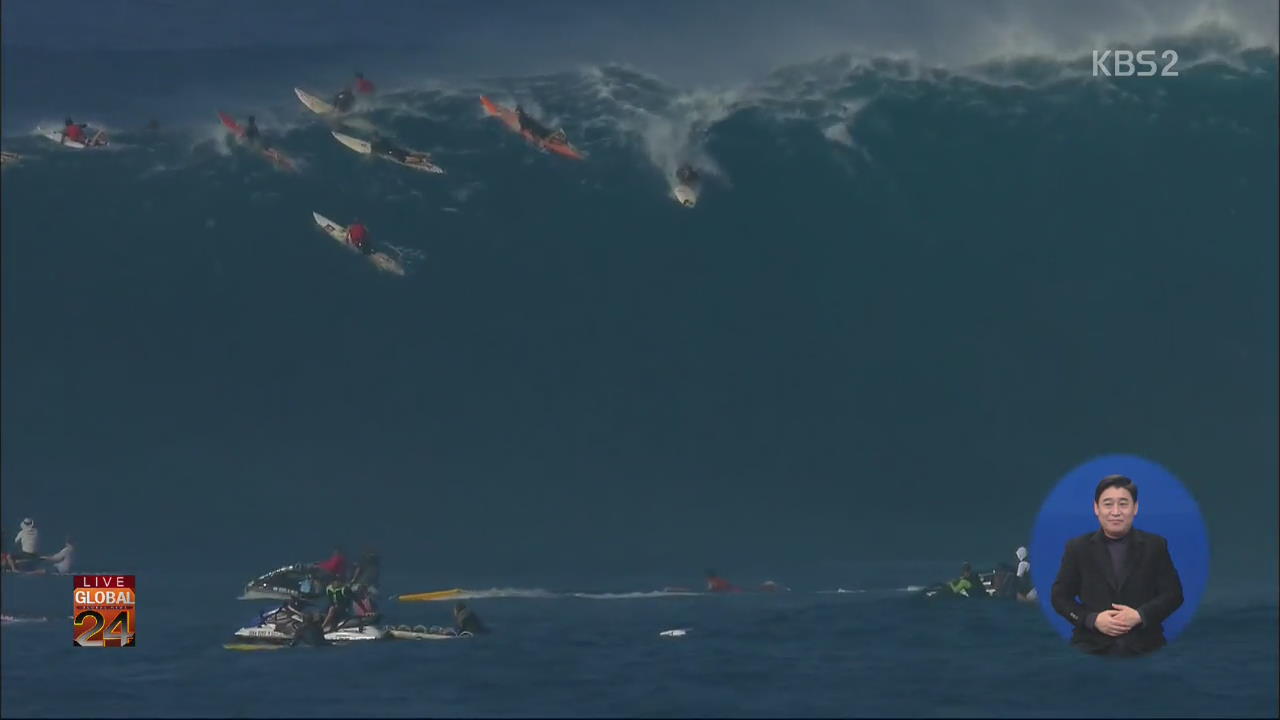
(358,236)
(379,145)
(364,87)
(344,100)
(73,132)
(718,584)
(253,135)
(78,132)
(536,129)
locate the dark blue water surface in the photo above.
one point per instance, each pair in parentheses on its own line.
(910,299)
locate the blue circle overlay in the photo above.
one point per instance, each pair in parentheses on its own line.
(1165,507)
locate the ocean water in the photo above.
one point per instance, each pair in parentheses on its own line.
(563,653)
(914,294)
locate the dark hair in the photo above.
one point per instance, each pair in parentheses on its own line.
(1119,481)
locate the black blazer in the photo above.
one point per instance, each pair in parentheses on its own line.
(1087,583)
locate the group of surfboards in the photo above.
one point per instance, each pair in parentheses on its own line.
(685,185)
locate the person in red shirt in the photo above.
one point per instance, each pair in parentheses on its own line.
(719,584)
(358,236)
(336,565)
(364,87)
(73,132)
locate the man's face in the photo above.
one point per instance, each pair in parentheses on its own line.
(1115,509)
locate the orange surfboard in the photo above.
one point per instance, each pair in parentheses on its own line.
(508,117)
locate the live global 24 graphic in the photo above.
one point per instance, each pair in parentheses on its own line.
(105,611)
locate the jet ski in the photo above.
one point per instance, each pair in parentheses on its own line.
(301,582)
(279,626)
(270,634)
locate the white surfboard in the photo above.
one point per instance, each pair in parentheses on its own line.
(364,148)
(57,137)
(313,103)
(354,143)
(686,195)
(380,260)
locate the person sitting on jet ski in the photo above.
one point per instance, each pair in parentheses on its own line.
(466,620)
(340,599)
(344,100)
(335,566)
(687,175)
(968,584)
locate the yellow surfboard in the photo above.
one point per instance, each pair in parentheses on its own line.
(430,596)
(252,646)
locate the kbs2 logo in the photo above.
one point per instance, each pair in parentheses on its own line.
(105,611)
(1122,63)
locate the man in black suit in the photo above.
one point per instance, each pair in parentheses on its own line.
(1117,585)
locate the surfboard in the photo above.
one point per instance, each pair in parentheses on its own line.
(686,195)
(380,260)
(418,160)
(252,646)
(509,118)
(430,596)
(56,136)
(313,103)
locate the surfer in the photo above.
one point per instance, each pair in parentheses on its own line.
(73,132)
(537,129)
(382,146)
(466,620)
(358,236)
(364,87)
(687,175)
(719,584)
(253,135)
(344,100)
